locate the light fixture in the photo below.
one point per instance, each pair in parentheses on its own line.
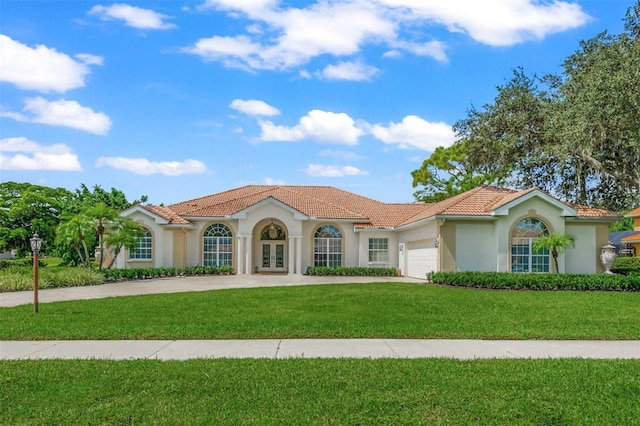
(273,232)
(36,245)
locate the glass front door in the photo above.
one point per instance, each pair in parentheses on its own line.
(272,256)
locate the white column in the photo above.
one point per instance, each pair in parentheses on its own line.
(240,255)
(299,255)
(247,254)
(291,254)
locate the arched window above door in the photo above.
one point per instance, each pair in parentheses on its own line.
(273,232)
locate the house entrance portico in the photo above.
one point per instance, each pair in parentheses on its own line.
(272,249)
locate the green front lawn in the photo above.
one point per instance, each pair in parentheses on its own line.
(321,391)
(388,310)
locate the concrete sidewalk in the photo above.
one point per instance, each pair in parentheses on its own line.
(318,348)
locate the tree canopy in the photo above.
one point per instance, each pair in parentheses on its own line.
(26,208)
(575,135)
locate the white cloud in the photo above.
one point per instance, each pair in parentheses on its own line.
(414,132)
(142,166)
(254,107)
(281,37)
(295,34)
(42,68)
(63,113)
(320,170)
(353,71)
(144,19)
(497,22)
(322,126)
(33,156)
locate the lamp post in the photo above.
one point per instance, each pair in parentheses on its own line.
(36,244)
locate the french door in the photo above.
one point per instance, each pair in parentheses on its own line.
(273,257)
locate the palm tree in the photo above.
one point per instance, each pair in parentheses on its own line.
(123,233)
(73,231)
(555,243)
(102,216)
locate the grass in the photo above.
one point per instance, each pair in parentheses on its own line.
(318,392)
(388,310)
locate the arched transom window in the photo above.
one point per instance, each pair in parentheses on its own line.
(217,245)
(144,245)
(524,234)
(327,246)
(273,232)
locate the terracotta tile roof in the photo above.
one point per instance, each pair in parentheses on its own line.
(633,213)
(592,212)
(166,213)
(633,238)
(325,202)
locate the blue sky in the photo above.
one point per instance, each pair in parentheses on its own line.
(180,99)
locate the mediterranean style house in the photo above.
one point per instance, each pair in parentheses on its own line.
(287,228)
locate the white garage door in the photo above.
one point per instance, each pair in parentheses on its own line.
(422,257)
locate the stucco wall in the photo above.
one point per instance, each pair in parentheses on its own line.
(476,246)
(583,258)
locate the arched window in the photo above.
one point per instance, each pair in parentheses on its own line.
(327,246)
(217,245)
(143,250)
(524,234)
(273,232)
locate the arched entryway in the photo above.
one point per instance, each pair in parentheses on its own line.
(273,248)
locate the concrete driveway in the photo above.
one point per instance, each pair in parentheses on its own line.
(179,285)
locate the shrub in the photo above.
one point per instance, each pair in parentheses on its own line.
(351,271)
(21,279)
(626,265)
(140,273)
(532,281)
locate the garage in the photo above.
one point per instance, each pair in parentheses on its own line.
(422,257)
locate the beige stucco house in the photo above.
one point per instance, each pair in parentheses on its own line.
(633,240)
(285,229)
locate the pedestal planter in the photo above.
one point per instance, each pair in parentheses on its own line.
(607,257)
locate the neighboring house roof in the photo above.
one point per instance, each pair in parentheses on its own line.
(634,237)
(325,202)
(633,213)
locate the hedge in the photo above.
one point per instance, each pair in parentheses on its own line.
(626,265)
(533,281)
(142,273)
(351,271)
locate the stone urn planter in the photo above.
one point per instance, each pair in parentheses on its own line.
(607,257)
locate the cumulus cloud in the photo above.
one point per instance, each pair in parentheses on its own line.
(142,166)
(415,132)
(30,155)
(353,71)
(42,68)
(283,37)
(322,126)
(333,28)
(254,107)
(62,113)
(497,22)
(135,17)
(321,170)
